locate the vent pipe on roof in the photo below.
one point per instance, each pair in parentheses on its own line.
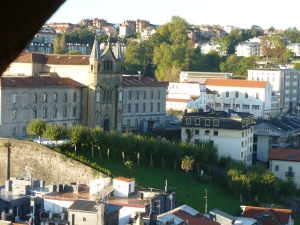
(139,75)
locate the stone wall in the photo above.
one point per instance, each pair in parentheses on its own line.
(43,162)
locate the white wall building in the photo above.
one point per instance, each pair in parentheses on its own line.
(123,187)
(247,49)
(212,46)
(285,164)
(231,131)
(242,95)
(295,47)
(285,87)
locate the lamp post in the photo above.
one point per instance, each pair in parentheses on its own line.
(205,201)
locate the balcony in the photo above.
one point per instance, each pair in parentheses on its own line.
(289,174)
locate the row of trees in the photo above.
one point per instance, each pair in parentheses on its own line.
(126,144)
(255,180)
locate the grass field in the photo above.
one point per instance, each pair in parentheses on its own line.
(219,196)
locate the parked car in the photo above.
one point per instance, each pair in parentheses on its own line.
(174,122)
(293,113)
(44,141)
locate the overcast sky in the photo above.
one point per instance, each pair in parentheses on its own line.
(240,13)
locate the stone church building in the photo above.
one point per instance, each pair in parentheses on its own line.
(79,89)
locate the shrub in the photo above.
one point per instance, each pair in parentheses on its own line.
(204,178)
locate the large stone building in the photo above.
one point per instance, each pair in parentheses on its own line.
(102,91)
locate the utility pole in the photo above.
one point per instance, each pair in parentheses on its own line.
(205,201)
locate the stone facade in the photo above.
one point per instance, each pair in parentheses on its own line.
(43,162)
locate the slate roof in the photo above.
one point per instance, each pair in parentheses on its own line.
(281,216)
(133,80)
(38,82)
(284,154)
(236,83)
(89,206)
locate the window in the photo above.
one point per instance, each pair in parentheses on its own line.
(45,97)
(74,111)
(14,98)
(129,108)
(144,107)
(128,123)
(136,122)
(84,219)
(34,100)
(158,95)
(276,168)
(45,113)
(75,96)
(188,120)
(98,96)
(136,108)
(216,122)
(242,144)
(257,95)
(236,94)
(144,95)
(65,97)
(64,112)
(227,94)
(25,97)
(120,96)
(197,132)
(14,113)
(34,113)
(242,155)
(24,114)
(137,95)
(129,95)
(243,134)
(216,133)
(54,112)
(206,132)
(207,122)
(151,95)
(197,121)
(257,78)
(55,97)
(158,107)
(151,107)
(243,123)
(246,94)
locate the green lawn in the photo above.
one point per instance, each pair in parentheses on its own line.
(219,196)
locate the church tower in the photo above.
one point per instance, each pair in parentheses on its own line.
(105,89)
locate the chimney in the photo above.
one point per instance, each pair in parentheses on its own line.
(139,75)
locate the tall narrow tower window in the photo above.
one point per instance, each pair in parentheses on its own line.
(92,67)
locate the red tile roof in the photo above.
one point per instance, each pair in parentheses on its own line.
(133,80)
(37,82)
(177,100)
(194,220)
(68,59)
(124,179)
(284,154)
(40,58)
(236,83)
(281,216)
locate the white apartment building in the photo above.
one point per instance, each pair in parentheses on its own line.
(285,164)
(285,87)
(231,131)
(242,95)
(186,95)
(295,47)
(247,49)
(147,32)
(212,46)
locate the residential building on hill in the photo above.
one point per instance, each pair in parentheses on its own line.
(247,49)
(242,95)
(285,87)
(295,47)
(194,33)
(284,163)
(207,47)
(231,131)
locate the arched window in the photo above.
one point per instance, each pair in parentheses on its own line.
(98,96)
(120,96)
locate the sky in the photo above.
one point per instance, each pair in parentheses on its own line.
(239,13)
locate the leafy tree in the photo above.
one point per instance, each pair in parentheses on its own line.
(187,164)
(74,52)
(74,135)
(256,181)
(63,44)
(270,183)
(239,184)
(296,66)
(288,54)
(56,45)
(287,188)
(55,132)
(292,34)
(128,165)
(86,36)
(36,127)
